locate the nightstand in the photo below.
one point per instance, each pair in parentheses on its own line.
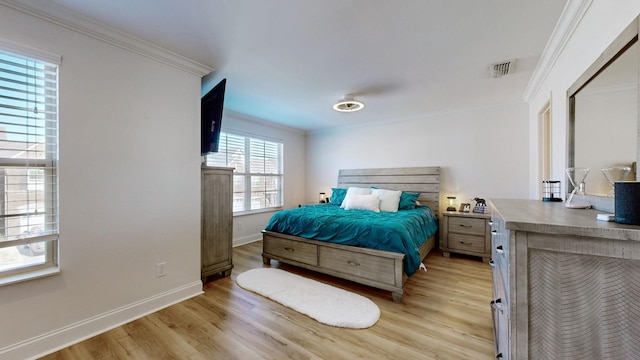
(466,233)
(309,204)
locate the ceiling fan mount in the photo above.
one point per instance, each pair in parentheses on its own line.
(348,104)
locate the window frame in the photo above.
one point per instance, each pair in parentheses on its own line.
(49,235)
(245,176)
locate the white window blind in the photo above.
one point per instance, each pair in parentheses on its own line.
(258,170)
(28,164)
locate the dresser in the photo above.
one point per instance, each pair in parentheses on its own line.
(466,233)
(565,285)
(217,221)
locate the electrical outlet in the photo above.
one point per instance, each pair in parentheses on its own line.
(161,269)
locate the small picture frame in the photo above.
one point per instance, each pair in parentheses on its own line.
(465,207)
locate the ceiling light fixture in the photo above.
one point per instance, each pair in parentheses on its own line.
(348,104)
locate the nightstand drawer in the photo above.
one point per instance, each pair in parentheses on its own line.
(464,225)
(472,243)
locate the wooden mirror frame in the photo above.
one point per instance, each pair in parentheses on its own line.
(621,44)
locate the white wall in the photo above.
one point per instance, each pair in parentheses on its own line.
(247,228)
(482,152)
(602,22)
(129,192)
(129,172)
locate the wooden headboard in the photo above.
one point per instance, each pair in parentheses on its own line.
(425,180)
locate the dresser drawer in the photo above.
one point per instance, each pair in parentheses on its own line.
(472,243)
(304,253)
(499,284)
(464,225)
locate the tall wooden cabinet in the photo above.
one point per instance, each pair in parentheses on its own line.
(565,285)
(217,221)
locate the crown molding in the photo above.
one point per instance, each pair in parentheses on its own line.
(68,19)
(28,51)
(257,121)
(571,16)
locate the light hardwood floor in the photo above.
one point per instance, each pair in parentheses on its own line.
(445,314)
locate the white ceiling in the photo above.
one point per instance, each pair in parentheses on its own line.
(288,61)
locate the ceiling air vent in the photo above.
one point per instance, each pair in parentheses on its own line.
(502,68)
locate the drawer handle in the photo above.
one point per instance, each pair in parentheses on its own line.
(353,263)
(500,250)
(466,226)
(499,356)
(490,222)
(494,232)
(289,249)
(492,263)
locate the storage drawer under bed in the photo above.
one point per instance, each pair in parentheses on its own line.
(294,250)
(357,264)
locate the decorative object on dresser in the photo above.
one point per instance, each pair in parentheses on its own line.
(626,200)
(565,284)
(466,233)
(551,190)
(452,203)
(615,173)
(481,205)
(217,221)
(325,303)
(373,267)
(577,199)
(465,207)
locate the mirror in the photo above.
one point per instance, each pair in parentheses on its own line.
(603,114)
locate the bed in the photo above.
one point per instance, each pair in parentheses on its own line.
(378,268)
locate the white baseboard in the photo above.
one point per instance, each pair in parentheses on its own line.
(61,338)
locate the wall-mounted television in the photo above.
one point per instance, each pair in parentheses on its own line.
(211,118)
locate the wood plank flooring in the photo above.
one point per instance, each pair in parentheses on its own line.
(445,314)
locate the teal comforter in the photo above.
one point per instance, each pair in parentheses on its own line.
(402,232)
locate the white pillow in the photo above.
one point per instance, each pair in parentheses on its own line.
(355,191)
(362,202)
(389,199)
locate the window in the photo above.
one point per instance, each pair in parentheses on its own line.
(257,178)
(28,167)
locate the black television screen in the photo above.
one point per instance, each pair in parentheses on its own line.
(211,118)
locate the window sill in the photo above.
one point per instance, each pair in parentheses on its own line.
(30,275)
(259,211)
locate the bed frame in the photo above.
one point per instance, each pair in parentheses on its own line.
(377,268)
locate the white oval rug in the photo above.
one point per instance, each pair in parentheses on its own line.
(325,303)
